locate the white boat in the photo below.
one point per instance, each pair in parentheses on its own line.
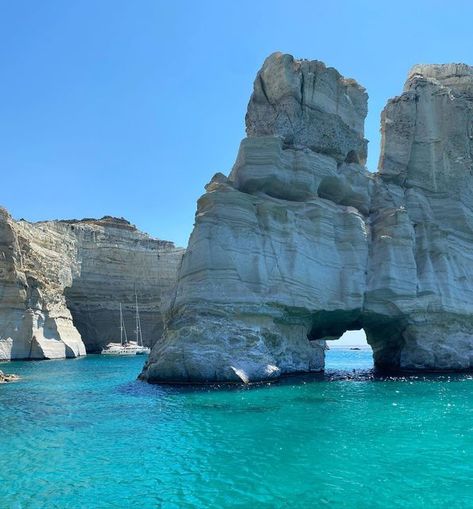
(118,349)
(121,348)
(126,347)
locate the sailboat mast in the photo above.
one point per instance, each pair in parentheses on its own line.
(123,335)
(121,325)
(137,321)
(139,334)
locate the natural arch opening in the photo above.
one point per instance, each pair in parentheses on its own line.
(385,337)
(350,352)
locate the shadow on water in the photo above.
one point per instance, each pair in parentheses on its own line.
(138,388)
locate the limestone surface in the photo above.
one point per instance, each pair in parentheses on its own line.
(309,105)
(35,268)
(115,261)
(421,267)
(301,243)
(61,283)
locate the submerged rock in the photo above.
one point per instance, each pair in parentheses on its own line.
(301,243)
(61,283)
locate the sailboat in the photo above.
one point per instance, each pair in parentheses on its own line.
(126,347)
(122,348)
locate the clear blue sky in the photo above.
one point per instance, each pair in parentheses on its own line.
(129,107)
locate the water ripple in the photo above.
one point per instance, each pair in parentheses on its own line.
(87,434)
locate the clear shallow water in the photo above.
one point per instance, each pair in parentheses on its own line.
(85,434)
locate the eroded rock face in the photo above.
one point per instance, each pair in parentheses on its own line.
(35,268)
(114,261)
(270,258)
(309,105)
(61,283)
(301,243)
(422,220)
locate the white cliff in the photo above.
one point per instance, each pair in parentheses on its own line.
(35,268)
(301,242)
(278,256)
(61,283)
(115,260)
(421,267)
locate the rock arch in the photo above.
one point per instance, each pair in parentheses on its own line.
(301,242)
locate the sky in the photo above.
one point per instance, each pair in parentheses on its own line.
(350,338)
(127,108)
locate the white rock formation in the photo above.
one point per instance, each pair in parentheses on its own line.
(301,243)
(421,266)
(114,260)
(278,256)
(309,105)
(61,283)
(35,268)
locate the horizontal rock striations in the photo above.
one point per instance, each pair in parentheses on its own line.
(421,266)
(61,283)
(301,242)
(278,257)
(115,260)
(35,268)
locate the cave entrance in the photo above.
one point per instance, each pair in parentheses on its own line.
(349,352)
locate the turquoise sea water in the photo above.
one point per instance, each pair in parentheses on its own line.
(86,434)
